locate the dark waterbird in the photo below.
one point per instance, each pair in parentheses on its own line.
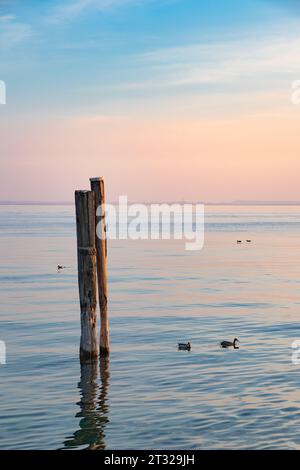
(239,241)
(228,344)
(184,346)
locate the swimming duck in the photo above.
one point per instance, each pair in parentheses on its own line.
(239,241)
(60,267)
(248,241)
(184,346)
(228,344)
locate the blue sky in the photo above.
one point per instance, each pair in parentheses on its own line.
(194,95)
(116,56)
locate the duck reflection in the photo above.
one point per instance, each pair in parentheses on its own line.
(93,405)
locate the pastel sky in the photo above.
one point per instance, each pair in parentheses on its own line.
(167,99)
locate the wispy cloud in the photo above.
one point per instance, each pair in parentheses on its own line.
(71,9)
(245,63)
(12,31)
(7,17)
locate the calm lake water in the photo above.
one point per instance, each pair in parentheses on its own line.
(149,395)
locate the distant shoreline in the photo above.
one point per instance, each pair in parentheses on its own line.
(233,203)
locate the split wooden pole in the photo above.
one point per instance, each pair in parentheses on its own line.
(86,254)
(97,186)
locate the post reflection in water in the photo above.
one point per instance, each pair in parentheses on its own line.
(93,405)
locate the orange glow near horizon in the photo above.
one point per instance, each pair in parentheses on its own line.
(251,158)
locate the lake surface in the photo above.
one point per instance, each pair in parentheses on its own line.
(149,395)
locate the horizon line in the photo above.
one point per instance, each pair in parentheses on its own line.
(208,203)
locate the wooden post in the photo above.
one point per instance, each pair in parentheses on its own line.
(86,253)
(97,186)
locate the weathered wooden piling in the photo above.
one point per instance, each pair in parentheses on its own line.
(97,186)
(86,253)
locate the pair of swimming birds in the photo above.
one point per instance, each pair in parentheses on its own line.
(223,344)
